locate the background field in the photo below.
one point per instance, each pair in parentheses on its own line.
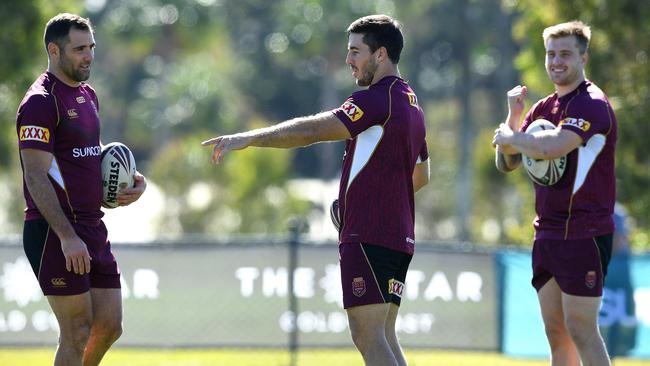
(172,73)
(257,357)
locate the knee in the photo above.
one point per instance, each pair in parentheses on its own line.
(75,335)
(360,336)
(365,337)
(108,332)
(114,332)
(556,333)
(581,329)
(391,335)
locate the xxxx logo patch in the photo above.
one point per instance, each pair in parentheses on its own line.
(395,287)
(576,122)
(351,110)
(413,99)
(34,133)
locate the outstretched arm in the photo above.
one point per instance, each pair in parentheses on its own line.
(301,131)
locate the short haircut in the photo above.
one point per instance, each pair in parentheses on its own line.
(380,31)
(57,29)
(576,28)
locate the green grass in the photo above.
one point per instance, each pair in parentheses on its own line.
(264,357)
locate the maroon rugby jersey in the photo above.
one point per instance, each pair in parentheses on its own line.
(580,205)
(64,121)
(376,190)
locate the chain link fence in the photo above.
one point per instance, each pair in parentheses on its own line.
(237,294)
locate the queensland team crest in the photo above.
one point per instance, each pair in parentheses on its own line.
(358,286)
(590,279)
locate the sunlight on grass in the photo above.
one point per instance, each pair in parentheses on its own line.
(266,357)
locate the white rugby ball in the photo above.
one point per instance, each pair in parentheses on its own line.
(544,172)
(118,170)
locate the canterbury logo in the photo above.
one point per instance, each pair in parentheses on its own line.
(34,133)
(58,282)
(352,111)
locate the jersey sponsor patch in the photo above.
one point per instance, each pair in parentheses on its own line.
(395,287)
(576,122)
(413,99)
(34,133)
(81,99)
(352,111)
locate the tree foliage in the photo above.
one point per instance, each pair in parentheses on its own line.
(172,73)
(21,37)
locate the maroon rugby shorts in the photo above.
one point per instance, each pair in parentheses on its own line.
(43,249)
(372,274)
(579,266)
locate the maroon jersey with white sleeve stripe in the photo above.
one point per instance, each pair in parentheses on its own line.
(580,205)
(376,190)
(64,121)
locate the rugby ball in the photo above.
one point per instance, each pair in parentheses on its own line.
(544,172)
(335,215)
(118,170)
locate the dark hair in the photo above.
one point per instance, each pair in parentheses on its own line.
(57,29)
(380,31)
(576,28)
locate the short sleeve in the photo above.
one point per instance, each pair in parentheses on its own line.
(362,110)
(424,153)
(36,123)
(588,119)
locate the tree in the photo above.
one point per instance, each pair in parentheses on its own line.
(24,58)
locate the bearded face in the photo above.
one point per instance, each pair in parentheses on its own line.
(73,69)
(367,73)
(74,58)
(361,60)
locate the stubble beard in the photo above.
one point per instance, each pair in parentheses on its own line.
(368,75)
(70,71)
(566,79)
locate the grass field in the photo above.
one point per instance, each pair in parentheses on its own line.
(256,357)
